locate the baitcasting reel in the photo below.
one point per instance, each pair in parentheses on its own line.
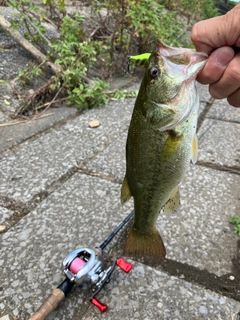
(84,265)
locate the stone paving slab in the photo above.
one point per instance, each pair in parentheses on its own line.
(199,233)
(219,142)
(147,294)
(83,212)
(111,162)
(3,117)
(223,111)
(13,133)
(204,94)
(5,214)
(31,169)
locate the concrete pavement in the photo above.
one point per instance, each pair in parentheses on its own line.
(59,190)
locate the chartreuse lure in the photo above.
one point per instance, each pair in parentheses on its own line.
(139,60)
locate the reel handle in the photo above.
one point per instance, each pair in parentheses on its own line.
(101,306)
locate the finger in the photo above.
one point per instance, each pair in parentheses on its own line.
(216,65)
(206,34)
(229,82)
(217,32)
(234,99)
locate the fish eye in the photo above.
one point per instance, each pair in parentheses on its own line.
(153,72)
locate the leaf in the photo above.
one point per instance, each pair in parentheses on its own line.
(6,102)
(5,83)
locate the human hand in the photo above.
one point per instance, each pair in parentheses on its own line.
(220,36)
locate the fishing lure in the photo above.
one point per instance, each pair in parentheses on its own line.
(139,60)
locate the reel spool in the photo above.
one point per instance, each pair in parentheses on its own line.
(82,265)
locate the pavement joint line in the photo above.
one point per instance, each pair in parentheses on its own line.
(211,124)
(218,167)
(108,177)
(191,274)
(223,120)
(203,114)
(26,208)
(35,136)
(22,209)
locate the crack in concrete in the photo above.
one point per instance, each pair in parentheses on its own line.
(218,167)
(203,114)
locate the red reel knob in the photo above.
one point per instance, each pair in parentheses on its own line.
(124,265)
(102,307)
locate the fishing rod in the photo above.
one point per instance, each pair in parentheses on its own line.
(84,265)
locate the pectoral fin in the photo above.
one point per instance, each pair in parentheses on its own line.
(173,203)
(125,191)
(194,153)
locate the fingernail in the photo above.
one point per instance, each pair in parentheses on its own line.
(223,56)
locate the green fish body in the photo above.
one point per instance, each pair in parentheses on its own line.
(161,142)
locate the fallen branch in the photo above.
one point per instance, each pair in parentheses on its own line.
(28,46)
(40,96)
(37,30)
(53,100)
(55,68)
(13,123)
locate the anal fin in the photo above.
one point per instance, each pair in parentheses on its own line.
(173,204)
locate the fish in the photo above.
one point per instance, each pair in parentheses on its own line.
(161,142)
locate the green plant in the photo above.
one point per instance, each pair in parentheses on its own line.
(87,53)
(76,54)
(235,221)
(27,74)
(30,17)
(201,9)
(133,25)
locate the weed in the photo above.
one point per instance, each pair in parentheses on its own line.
(99,49)
(235,221)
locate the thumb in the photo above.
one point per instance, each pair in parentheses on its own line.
(217,32)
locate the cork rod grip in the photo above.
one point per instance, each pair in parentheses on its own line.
(49,305)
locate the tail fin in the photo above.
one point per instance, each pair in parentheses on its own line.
(145,245)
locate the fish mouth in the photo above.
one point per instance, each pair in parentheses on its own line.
(167,51)
(192,60)
(182,65)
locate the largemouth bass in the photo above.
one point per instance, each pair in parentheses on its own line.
(161,142)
